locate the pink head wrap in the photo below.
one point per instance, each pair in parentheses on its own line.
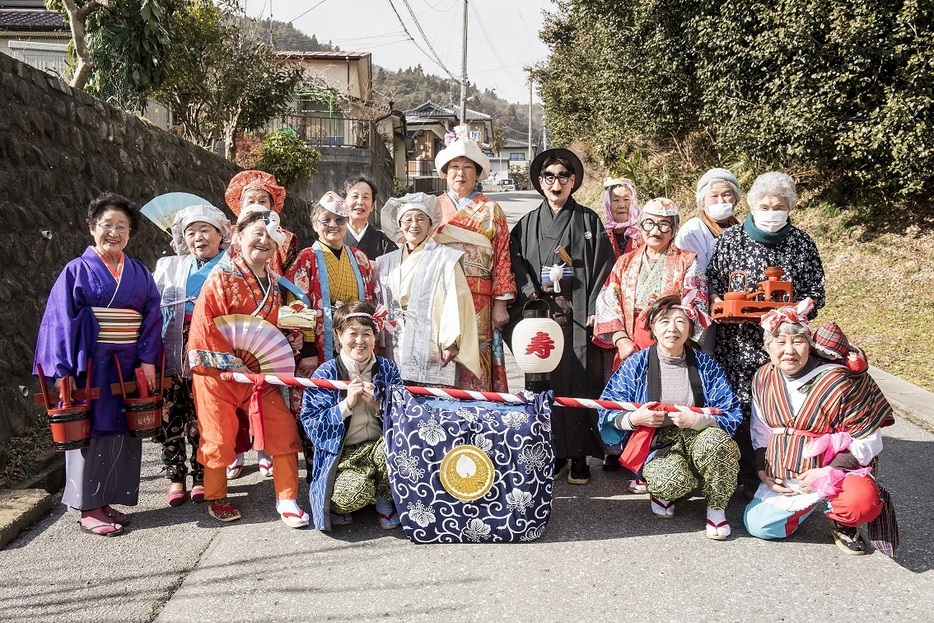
(380,318)
(794,315)
(632,223)
(689,307)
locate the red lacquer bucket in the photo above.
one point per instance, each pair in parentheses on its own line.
(144,410)
(70,422)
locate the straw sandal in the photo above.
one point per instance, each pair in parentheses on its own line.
(848,539)
(235,469)
(662,508)
(101,528)
(115,515)
(223,510)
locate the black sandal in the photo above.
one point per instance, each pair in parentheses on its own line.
(848,539)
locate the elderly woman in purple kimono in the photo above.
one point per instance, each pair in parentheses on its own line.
(103,282)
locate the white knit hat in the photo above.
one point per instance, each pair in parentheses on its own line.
(395,208)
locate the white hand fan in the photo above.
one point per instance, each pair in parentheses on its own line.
(162,209)
(259,344)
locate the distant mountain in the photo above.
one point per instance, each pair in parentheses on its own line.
(407,88)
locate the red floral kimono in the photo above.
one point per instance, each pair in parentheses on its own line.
(634,284)
(477,226)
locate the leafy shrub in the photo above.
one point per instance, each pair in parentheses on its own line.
(839,93)
(288,157)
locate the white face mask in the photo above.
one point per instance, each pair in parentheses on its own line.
(720,211)
(770,220)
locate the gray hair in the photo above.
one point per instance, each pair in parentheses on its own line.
(773,183)
(787,328)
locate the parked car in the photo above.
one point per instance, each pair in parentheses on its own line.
(507,184)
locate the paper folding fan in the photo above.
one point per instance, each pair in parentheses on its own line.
(259,344)
(162,209)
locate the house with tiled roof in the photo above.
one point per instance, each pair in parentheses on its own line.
(427,124)
(31,33)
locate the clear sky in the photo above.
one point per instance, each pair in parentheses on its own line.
(502,34)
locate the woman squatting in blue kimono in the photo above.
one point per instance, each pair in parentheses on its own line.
(346,427)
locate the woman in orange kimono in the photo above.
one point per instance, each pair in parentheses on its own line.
(242,284)
(476,225)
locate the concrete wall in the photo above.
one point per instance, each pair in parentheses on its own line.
(59,148)
(340,163)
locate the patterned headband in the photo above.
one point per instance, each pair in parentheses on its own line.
(689,307)
(793,315)
(380,318)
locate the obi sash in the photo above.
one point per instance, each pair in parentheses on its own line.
(324,284)
(117,326)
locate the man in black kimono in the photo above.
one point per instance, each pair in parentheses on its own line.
(543,241)
(359,198)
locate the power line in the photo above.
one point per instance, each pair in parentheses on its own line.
(306,12)
(427,41)
(415,43)
(492,47)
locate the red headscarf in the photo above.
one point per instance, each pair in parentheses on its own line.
(254,179)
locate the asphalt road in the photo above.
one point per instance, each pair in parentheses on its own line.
(604,556)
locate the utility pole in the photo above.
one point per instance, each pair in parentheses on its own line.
(529,160)
(464,71)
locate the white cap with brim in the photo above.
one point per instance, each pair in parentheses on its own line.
(468,149)
(203,213)
(396,207)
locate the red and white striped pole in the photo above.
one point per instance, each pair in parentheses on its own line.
(457,394)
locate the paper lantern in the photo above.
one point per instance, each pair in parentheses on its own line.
(537,345)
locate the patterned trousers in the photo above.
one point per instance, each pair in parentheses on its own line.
(178,424)
(709,454)
(362,474)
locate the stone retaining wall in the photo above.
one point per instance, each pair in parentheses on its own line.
(59,148)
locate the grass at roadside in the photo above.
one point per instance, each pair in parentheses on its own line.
(880,290)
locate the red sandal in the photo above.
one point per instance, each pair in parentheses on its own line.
(223,510)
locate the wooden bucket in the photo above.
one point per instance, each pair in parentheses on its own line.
(70,423)
(144,411)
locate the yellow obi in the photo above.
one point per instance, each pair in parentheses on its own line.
(118,326)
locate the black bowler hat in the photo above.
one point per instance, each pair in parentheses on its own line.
(535,170)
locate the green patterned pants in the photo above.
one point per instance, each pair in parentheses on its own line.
(362,474)
(709,454)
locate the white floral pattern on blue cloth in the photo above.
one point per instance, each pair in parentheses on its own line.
(516,438)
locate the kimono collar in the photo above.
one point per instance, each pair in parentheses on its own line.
(459,204)
(357,370)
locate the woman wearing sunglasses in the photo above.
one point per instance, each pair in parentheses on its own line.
(327,274)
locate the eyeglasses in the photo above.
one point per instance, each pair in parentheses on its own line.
(549,178)
(421,220)
(648,225)
(120,229)
(340,221)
